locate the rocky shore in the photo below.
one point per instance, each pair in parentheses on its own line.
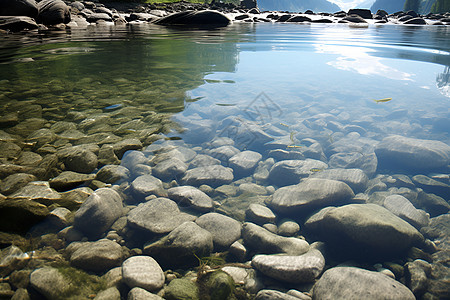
(16,15)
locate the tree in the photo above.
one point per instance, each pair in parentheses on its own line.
(411,5)
(441,6)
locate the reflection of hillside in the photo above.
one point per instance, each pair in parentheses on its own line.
(143,64)
(443,81)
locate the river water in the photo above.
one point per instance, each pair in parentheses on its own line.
(324,93)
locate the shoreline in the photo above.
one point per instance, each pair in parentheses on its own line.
(80,14)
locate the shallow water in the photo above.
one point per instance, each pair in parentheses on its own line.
(286,91)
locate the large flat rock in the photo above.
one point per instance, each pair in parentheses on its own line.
(158,216)
(310,194)
(368,227)
(412,154)
(354,283)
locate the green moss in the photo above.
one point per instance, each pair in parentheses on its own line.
(82,284)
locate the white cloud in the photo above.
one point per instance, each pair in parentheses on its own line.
(358,59)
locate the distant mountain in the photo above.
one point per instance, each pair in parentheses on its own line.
(298,5)
(391,6)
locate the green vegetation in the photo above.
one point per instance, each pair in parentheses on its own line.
(82,284)
(411,5)
(441,6)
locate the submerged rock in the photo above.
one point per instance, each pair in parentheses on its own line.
(287,172)
(213,176)
(295,269)
(310,194)
(50,282)
(182,246)
(263,241)
(158,216)
(244,162)
(355,178)
(367,227)
(224,230)
(143,272)
(356,283)
(192,197)
(181,288)
(274,295)
(400,206)
(98,212)
(399,152)
(147,185)
(142,294)
(99,256)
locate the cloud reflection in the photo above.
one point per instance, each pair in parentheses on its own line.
(358,59)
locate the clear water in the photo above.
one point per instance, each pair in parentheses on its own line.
(291,81)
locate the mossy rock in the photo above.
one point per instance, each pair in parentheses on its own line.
(219,286)
(181,289)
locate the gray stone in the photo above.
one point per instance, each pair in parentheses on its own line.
(125,145)
(111,293)
(432,204)
(49,282)
(213,176)
(198,18)
(133,158)
(41,137)
(203,160)
(158,216)
(364,226)
(355,178)
(143,272)
(141,294)
(399,152)
(243,163)
(252,189)
(263,241)
(295,269)
(98,212)
(224,153)
(238,250)
(237,273)
(288,228)
(15,182)
(78,159)
(365,161)
(259,214)
(147,185)
(179,246)
(224,230)
(99,256)
(430,185)
(69,180)
(28,158)
(113,174)
(310,194)
(53,12)
(9,150)
(416,276)
(191,197)
(401,207)
(39,191)
(169,169)
(21,294)
(355,283)
(287,172)
(60,217)
(273,295)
